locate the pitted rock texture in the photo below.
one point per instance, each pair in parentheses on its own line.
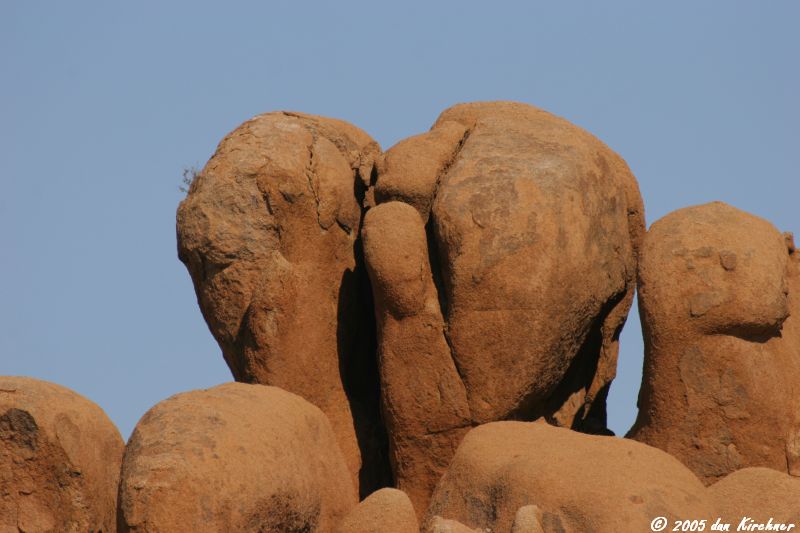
(576,482)
(236,458)
(719,297)
(383,511)
(502,255)
(59,460)
(269,232)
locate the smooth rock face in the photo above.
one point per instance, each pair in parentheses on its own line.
(235,458)
(502,255)
(719,297)
(758,493)
(59,460)
(383,511)
(269,233)
(578,482)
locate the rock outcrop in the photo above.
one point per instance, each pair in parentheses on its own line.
(443,317)
(524,475)
(502,255)
(498,253)
(269,233)
(234,458)
(59,460)
(719,297)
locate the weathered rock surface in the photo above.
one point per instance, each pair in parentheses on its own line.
(578,482)
(440,525)
(719,297)
(502,255)
(383,511)
(269,233)
(528,519)
(424,398)
(235,458)
(59,460)
(759,494)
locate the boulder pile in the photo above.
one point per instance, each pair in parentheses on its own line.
(422,341)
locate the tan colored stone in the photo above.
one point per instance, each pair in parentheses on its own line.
(59,460)
(440,525)
(579,482)
(383,511)
(234,458)
(759,494)
(528,520)
(722,341)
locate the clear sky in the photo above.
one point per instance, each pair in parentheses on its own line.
(102,105)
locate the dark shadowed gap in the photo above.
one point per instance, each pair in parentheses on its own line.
(579,375)
(356,342)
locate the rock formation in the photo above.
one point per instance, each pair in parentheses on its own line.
(719,297)
(269,233)
(502,254)
(59,460)
(235,458)
(523,230)
(442,318)
(577,482)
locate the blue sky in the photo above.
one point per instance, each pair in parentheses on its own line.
(103,104)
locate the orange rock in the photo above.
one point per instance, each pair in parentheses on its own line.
(758,493)
(269,233)
(501,254)
(722,360)
(409,172)
(424,398)
(502,257)
(59,460)
(577,482)
(234,458)
(383,511)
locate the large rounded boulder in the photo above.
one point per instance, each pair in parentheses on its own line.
(269,232)
(524,476)
(719,297)
(758,495)
(235,458)
(384,511)
(502,255)
(60,457)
